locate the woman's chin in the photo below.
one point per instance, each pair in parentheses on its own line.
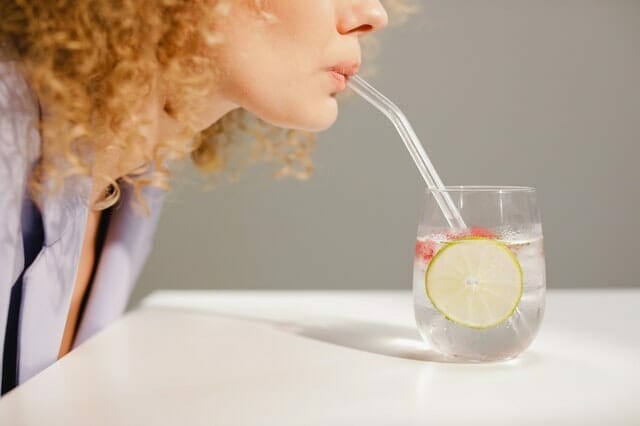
(313,117)
(320,117)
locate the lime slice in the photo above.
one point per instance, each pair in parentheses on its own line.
(475,282)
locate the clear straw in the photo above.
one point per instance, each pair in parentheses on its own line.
(411,141)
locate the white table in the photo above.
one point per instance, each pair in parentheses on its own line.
(334,358)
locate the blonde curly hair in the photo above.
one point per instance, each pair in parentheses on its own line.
(95,62)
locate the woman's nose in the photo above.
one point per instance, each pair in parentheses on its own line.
(362,16)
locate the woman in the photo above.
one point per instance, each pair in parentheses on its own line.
(96,97)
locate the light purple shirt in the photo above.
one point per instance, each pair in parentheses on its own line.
(48,281)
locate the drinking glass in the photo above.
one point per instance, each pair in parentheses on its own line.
(479,292)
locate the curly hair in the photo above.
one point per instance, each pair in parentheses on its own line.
(95,62)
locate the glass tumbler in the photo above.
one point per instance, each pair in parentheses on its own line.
(479,292)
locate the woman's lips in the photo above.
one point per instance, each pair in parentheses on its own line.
(342,71)
(340,80)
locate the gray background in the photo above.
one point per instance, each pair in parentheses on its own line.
(538,93)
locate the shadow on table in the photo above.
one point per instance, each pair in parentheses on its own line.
(379,338)
(387,339)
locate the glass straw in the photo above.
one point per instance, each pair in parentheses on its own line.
(411,141)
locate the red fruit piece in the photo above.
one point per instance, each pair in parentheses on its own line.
(474,231)
(425,250)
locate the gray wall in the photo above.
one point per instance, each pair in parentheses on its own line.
(538,92)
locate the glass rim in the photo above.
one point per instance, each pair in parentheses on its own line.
(501,189)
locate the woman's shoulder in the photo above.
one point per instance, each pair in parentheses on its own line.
(19,148)
(15,94)
(19,119)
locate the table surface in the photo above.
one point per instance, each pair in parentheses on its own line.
(334,358)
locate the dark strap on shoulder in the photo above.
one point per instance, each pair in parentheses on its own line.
(32,240)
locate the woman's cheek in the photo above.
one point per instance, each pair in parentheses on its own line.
(295,100)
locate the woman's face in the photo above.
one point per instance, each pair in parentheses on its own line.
(277,64)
